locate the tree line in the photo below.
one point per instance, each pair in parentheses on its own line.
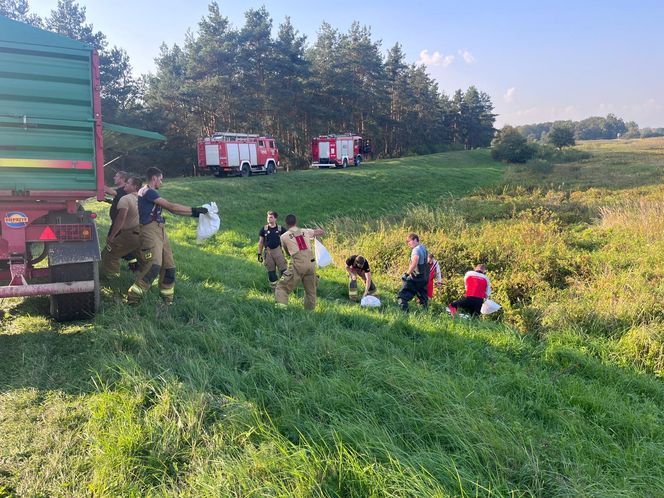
(245,79)
(592,128)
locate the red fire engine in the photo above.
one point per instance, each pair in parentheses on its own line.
(333,151)
(241,153)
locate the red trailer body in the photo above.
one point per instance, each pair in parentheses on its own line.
(239,153)
(333,151)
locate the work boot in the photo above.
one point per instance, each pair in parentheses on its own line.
(135,294)
(403,304)
(167,295)
(133,299)
(352,291)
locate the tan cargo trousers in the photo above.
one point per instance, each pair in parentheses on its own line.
(126,242)
(156,260)
(274,258)
(302,269)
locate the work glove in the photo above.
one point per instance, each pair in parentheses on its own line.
(260,257)
(197,211)
(404,276)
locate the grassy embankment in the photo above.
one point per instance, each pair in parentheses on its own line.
(222,395)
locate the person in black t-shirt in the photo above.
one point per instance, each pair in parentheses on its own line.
(270,252)
(119,179)
(358,266)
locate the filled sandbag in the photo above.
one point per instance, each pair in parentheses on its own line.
(370,302)
(323,257)
(208,223)
(489,306)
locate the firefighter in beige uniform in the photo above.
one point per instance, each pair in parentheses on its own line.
(155,254)
(124,237)
(302,268)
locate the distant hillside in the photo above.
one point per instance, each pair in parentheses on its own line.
(593,128)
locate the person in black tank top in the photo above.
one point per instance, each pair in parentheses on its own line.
(270,252)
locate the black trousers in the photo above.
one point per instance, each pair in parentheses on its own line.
(473,305)
(410,289)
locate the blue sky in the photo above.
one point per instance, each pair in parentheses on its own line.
(538,61)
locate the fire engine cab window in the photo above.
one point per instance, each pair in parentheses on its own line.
(271,144)
(261,143)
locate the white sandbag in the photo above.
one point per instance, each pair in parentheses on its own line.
(370,302)
(489,306)
(323,257)
(208,224)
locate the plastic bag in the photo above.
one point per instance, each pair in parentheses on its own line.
(370,302)
(323,257)
(208,224)
(489,306)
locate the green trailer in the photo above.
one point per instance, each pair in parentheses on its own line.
(51,158)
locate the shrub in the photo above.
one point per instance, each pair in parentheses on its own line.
(561,136)
(512,147)
(645,346)
(553,155)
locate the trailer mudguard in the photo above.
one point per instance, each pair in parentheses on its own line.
(64,253)
(79,251)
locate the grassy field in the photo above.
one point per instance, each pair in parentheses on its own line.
(223,395)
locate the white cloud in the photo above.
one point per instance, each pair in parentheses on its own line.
(467,56)
(531,111)
(606,108)
(554,113)
(435,59)
(649,105)
(509,95)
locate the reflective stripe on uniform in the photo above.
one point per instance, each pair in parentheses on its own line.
(136,290)
(167,292)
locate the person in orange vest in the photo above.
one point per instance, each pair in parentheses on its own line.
(434,275)
(478,288)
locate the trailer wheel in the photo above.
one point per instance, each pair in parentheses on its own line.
(245,171)
(358,161)
(67,307)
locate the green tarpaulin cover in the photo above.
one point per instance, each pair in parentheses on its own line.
(122,138)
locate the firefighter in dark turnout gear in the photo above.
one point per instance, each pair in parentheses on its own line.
(155,250)
(270,252)
(415,280)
